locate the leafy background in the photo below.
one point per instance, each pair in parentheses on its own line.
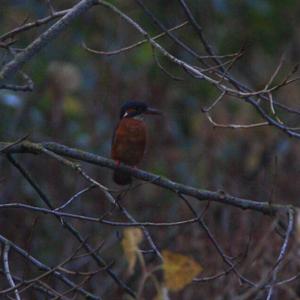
(76,102)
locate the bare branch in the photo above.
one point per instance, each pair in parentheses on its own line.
(283,251)
(156,59)
(97,258)
(97,220)
(39,286)
(200,194)
(44,267)
(106,191)
(216,245)
(7,270)
(235,126)
(16,88)
(199,31)
(219,98)
(67,203)
(13,66)
(131,47)
(200,74)
(11,34)
(14,143)
(32,281)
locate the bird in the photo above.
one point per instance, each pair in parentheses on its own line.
(130,137)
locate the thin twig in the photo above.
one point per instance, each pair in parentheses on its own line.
(199,194)
(7,270)
(31,25)
(67,203)
(18,141)
(97,258)
(125,49)
(216,245)
(133,222)
(39,43)
(282,252)
(235,126)
(238,90)
(107,193)
(44,267)
(32,281)
(219,98)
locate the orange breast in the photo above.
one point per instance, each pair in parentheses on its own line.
(129,141)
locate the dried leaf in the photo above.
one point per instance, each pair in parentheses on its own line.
(132,238)
(179,270)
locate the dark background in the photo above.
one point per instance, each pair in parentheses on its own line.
(76,102)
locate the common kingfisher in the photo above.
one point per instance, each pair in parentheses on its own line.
(130,137)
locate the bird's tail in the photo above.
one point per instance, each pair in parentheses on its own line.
(122,178)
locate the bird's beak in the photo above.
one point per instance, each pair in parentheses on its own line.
(152,111)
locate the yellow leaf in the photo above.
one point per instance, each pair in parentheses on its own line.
(132,238)
(179,270)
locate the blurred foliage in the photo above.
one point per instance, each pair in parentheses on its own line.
(76,102)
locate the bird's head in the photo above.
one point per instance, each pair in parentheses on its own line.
(131,109)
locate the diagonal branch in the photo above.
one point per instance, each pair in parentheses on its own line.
(133,223)
(199,194)
(97,258)
(44,267)
(39,43)
(30,25)
(105,190)
(132,46)
(282,252)
(237,91)
(7,271)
